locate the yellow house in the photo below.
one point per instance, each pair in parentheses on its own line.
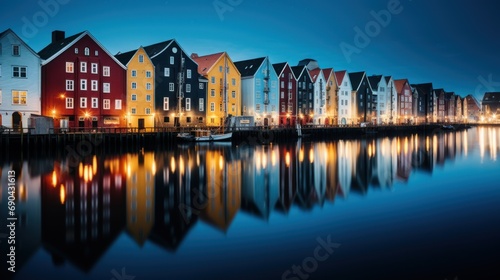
(331,96)
(140,186)
(140,88)
(224,87)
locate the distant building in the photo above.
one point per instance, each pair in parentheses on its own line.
(473,108)
(405,101)
(259,89)
(362,97)
(441,106)
(20,87)
(392,100)
(449,104)
(331,96)
(83,85)
(379,89)
(319,96)
(287,92)
(425,106)
(491,105)
(305,89)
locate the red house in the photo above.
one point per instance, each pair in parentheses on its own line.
(287,93)
(405,96)
(83,85)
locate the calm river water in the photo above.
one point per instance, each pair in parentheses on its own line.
(414,207)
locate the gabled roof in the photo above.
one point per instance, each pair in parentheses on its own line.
(279,67)
(125,58)
(449,95)
(248,68)
(56,48)
(356,79)
(298,70)
(374,81)
(314,74)
(205,63)
(310,63)
(399,84)
(4,33)
(491,97)
(425,88)
(327,72)
(340,76)
(472,102)
(387,79)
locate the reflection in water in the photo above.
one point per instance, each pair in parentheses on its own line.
(77,213)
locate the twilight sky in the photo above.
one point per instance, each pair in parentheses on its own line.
(453,44)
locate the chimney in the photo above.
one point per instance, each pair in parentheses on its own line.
(194,55)
(57,35)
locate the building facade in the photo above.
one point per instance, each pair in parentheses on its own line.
(20,87)
(83,85)
(345,104)
(405,101)
(331,96)
(305,89)
(362,98)
(287,94)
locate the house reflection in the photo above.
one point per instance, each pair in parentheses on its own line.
(77,212)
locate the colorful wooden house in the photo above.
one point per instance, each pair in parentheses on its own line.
(259,91)
(425,102)
(83,85)
(140,88)
(345,102)
(224,86)
(392,100)
(379,89)
(441,106)
(363,98)
(491,106)
(288,93)
(473,108)
(319,96)
(20,86)
(405,101)
(449,103)
(305,89)
(331,96)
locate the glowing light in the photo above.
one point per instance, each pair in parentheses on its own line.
(273,158)
(153,168)
(221,162)
(94,165)
(172,164)
(287,159)
(181,165)
(311,155)
(80,170)
(86,173)
(301,155)
(62,194)
(264,161)
(54,178)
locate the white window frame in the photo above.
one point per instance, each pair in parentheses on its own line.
(212,106)
(188,73)
(106,104)
(86,51)
(83,67)
(166,104)
(201,104)
(70,85)
(20,97)
(166,72)
(94,85)
(188,87)
(172,60)
(70,67)
(19,71)
(83,102)
(106,87)
(70,103)
(147,111)
(171,87)
(118,104)
(148,97)
(188,104)
(148,86)
(94,102)
(148,74)
(106,71)
(133,85)
(94,68)
(141,58)
(133,73)
(83,84)
(14,48)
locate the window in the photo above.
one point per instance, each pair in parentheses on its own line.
(212,79)
(19,97)
(148,86)
(76,50)
(83,102)
(16,50)
(212,107)
(118,104)
(201,104)
(70,67)
(94,103)
(87,51)
(233,81)
(141,58)
(282,84)
(106,87)
(83,67)
(188,88)
(212,92)
(70,85)
(94,85)
(283,107)
(133,97)
(0,90)
(69,103)
(134,73)
(233,107)
(257,107)
(257,82)
(165,104)
(96,53)
(188,104)
(148,97)
(188,119)
(106,71)
(172,60)
(148,74)
(220,69)
(233,94)
(148,111)
(220,107)
(188,74)
(83,84)
(282,94)
(94,68)
(166,119)
(134,85)
(133,111)
(171,86)
(19,71)
(166,72)
(106,104)
(201,85)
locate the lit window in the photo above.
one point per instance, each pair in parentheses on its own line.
(70,67)
(188,104)
(19,97)
(69,103)
(106,104)
(201,104)
(106,87)
(118,104)
(165,104)
(106,71)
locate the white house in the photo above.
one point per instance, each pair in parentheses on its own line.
(259,90)
(345,105)
(319,96)
(20,81)
(391,99)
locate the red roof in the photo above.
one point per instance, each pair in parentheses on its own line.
(327,72)
(314,74)
(206,62)
(340,76)
(399,84)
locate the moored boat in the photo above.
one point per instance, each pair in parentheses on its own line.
(204,135)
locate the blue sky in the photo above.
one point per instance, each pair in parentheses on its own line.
(452,44)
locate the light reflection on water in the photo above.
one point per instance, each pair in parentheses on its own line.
(77,214)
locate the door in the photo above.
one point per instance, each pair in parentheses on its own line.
(266,122)
(16,121)
(140,123)
(94,123)
(81,123)
(176,122)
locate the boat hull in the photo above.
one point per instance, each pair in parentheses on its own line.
(208,138)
